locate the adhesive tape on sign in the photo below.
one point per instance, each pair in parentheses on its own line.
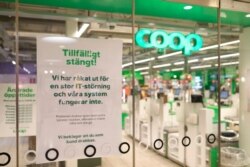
(175,41)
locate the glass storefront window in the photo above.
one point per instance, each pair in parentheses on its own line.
(8,140)
(168,81)
(234,76)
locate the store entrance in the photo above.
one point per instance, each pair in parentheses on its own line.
(99,85)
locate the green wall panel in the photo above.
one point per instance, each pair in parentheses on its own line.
(157,8)
(166,9)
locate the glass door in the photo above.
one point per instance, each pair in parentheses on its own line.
(177,47)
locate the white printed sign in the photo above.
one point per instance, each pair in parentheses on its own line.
(79,98)
(27,110)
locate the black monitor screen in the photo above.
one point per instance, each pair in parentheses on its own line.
(159,95)
(196,99)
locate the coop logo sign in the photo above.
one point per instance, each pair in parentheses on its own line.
(147,38)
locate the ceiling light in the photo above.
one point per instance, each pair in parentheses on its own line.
(188,7)
(169,55)
(199,67)
(230,43)
(144,60)
(82,30)
(144,73)
(229,55)
(179,63)
(222,56)
(126,65)
(230,63)
(138,62)
(223,44)
(247,15)
(189,61)
(210,58)
(204,48)
(60,39)
(179,52)
(26,70)
(177,69)
(209,47)
(193,61)
(143,68)
(162,65)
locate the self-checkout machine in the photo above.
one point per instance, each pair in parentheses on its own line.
(156,118)
(129,119)
(229,106)
(205,141)
(182,145)
(208,124)
(143,121)
(175,134)
(187,44)
(232,121)
(208,132)
(195,154)
(136,92)
(142,118)
(163,118)
(193,103)
(174,94)
(151,114)
(206,120)
(170,123)
(174,123)
(192,109)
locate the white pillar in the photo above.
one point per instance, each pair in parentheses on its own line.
(71,27)
(244,69)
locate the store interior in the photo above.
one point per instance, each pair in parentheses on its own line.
(173,108)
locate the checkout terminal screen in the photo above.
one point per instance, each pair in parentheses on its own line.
(224,94)
(177,92)
(212,88)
